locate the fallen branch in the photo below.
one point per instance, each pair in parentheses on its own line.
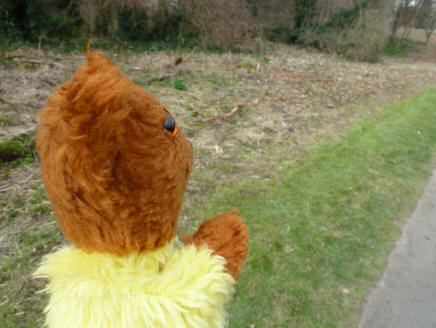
(214,118)
(6,189)
(137,68)
(159,78)
(25,181)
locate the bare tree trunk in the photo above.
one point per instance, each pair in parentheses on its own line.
(430,28)
(428,37)
(395,25)
(427,19)
(400,16)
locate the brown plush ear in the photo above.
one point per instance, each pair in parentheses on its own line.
(226,235)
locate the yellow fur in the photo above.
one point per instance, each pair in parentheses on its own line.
(171,287)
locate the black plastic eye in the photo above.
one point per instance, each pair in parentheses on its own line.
(169,124)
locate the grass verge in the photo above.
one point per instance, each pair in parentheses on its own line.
(322,230)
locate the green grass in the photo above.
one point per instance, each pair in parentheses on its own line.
(18,271)
(30,243)
(322,230)
(179,85)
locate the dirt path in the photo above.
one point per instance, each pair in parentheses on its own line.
(405,297)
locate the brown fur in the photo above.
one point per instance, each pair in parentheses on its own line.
(114,175)
(227,235)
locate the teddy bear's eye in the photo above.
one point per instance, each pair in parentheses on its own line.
(170,125)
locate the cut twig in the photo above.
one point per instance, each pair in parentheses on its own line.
(159,78)
(18,183)
(137,68)
(214,118)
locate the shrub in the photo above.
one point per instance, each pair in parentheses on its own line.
(354,28)
(138,26)
(219,22)
(18,147)
(398,46)
(358,32)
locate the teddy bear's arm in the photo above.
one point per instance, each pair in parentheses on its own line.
(226,235)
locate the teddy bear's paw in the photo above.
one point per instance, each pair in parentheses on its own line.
(227,235)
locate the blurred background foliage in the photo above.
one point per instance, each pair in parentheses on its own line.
(359,29)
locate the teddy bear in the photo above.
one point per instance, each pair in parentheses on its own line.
(115,166)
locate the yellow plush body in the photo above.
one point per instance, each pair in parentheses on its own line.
(174,286)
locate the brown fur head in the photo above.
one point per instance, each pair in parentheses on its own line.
(114,175)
